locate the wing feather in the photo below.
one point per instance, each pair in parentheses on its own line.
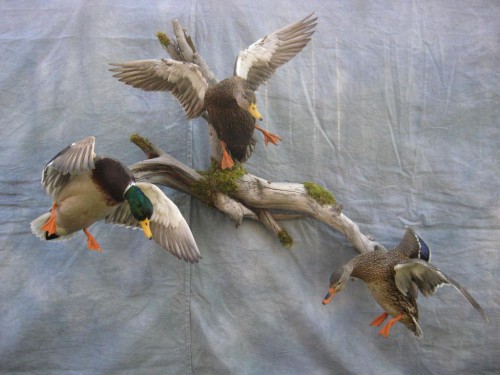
(428,278)
(258,62)
(170,229)
(184,80)
(74,159)
(121,215)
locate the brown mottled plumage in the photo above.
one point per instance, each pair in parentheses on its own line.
(394,278)
(380,281)
(233,124)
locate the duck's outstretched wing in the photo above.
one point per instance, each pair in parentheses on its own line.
(77,158)
(258,62)
(170,229)
(427,278)
(184,80)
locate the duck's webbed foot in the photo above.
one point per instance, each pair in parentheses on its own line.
(379,319)
(385,331)
(92,244)
(227,161)
(268,137)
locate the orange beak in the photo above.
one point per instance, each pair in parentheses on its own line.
(329,296)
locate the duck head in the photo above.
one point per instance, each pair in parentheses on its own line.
(248,101)
(141,208)
(338,281)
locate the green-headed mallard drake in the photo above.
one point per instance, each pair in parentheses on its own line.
(87,188)
(394,278)
(231,103)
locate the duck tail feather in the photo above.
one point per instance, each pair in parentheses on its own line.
(37,224)
(417,330)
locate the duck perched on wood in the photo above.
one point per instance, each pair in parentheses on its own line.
(231,103)
(87,188)
(394,278)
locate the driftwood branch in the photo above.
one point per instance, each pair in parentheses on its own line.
(252,197)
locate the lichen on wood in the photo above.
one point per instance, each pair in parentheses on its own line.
(163,38)
(285,239)
(320,194)
(215,180)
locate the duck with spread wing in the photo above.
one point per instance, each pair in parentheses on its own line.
(394,279)
(87,188)
(231,103)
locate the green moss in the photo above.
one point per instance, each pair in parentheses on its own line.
(140,141)
(285,239)
(319,194)
(216,180)
(163,38)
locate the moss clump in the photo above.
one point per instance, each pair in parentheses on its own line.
(141,142)
(319,194)
(216,180)
(163,38)
(285,239)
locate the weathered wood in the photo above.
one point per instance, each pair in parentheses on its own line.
(253,199)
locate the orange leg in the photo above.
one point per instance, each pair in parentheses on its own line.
(379,319)
(50,225)
(385,331)
(91,242)
(268,137)
(227,161)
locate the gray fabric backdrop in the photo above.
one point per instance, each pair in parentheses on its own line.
(394,106)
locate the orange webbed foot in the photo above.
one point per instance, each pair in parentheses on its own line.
(379,319)
(50,225)
(227,161)
(92,244)
(385,331)
(268,137)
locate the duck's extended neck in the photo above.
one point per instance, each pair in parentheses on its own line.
(352,266)
(132,192)
(141,206)
(127,189)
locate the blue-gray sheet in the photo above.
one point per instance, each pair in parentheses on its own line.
(394,106)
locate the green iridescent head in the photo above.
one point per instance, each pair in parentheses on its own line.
(140,207)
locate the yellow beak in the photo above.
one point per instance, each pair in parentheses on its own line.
(146,228)
(252,108)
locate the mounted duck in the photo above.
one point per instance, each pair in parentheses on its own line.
(394,278)
(87,188)
(231,103)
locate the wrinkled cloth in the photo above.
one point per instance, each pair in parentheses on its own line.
(393,106)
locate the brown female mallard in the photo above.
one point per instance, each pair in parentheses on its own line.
(87,188)
(394,278)
(231,103)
